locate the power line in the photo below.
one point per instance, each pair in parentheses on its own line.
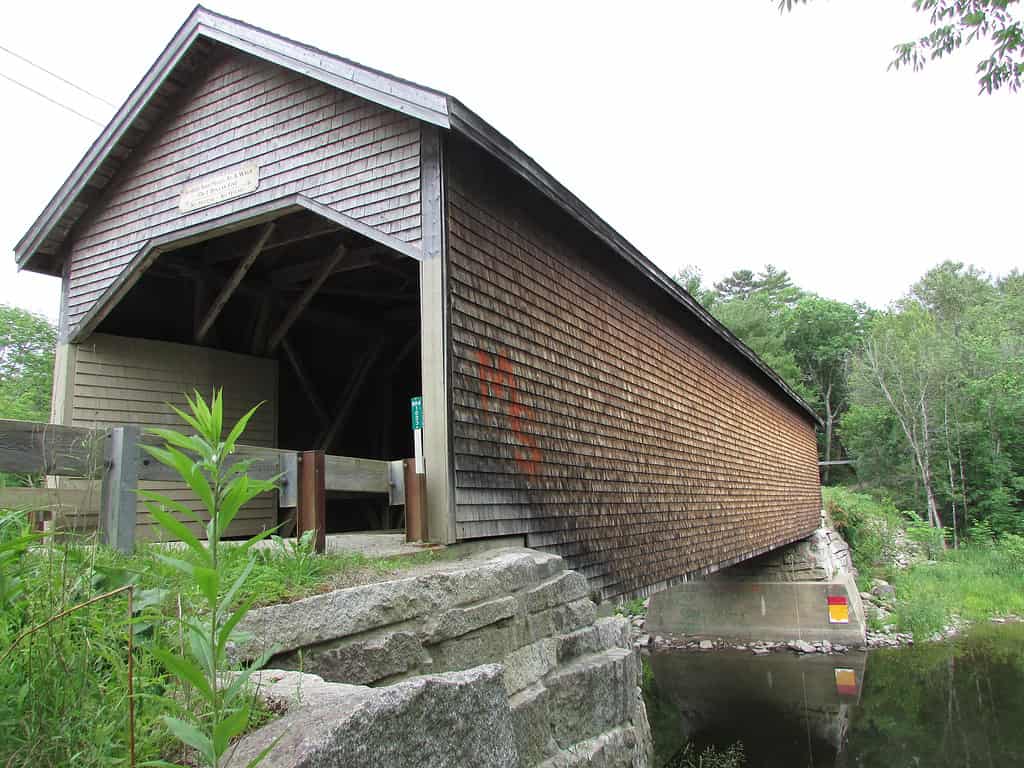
(54,74)
(42,95)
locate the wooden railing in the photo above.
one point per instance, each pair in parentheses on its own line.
(116,458)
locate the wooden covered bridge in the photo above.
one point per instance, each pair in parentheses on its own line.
(299,229)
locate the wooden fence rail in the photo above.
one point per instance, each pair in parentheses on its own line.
(117,458)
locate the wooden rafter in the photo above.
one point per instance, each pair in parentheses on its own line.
(261,291)
(305,383)
(299,238)
(358,258)
(326,269)
(348,396)
(363,294)
(259,329)
(403,353)
(233,281)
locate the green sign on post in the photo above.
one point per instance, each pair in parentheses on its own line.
(417,412)
(417,432)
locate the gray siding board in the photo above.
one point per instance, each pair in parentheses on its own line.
(290,154)
(302,122)
(584,321)
(590,417)
(355,157)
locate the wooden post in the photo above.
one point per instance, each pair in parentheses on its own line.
(415,502)
(312,510)
(117,496)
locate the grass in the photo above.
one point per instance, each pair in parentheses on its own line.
(975,583)
(634,607)
(982,579)
(65,686)
(282,573)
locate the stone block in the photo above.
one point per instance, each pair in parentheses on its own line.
(333,615)
(344,612)
(489,645)
(566,587)
(440,721)
(617,748)
(591,695)
(526,665)
(287,689)
(560,620)
(609,632)
(531,726)
(362,660)
(465,619)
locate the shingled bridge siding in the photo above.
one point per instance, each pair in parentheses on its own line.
(604,429)
(338,149)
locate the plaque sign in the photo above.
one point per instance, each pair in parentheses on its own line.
(218,187)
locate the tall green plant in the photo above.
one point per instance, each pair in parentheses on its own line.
(202,460)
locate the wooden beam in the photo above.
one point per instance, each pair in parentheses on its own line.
(403,353)
(343,324)
(292,240)
(359,258)
(304,382)
(259,328)
(415,502)
(50,449)
(311,514)
(378,295)
(348,396)
(118,497)
(435,349)
(343,473)
(326,268)
(233,281)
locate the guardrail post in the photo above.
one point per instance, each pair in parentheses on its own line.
(415,502)
(311,513)
(120,480)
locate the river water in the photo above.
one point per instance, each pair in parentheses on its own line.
(947,705)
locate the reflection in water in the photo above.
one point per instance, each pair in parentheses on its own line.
(945,705)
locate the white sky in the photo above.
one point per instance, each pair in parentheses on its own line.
(717,134)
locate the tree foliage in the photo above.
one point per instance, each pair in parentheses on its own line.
(957,23)
(937,412)
(926,396)
(27,344)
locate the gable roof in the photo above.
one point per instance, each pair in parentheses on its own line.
(40,249)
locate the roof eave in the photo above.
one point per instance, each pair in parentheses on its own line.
(115,129)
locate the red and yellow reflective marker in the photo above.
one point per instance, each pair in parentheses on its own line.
(838,610)
(846,682)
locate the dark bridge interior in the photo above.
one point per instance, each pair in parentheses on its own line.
(340,313)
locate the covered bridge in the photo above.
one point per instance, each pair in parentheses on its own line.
(299,229)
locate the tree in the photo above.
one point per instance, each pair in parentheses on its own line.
(955,23)
(691,278)
(754,323)
(740,285)
(822,334)
(27,344)
(902,361)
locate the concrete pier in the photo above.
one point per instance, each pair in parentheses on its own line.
(805,591)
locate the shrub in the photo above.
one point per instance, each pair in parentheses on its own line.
(710,757)
(868,525)
(201,460)
(930,539)
(1012,545)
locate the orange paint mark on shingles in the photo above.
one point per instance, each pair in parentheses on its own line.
(498,382)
